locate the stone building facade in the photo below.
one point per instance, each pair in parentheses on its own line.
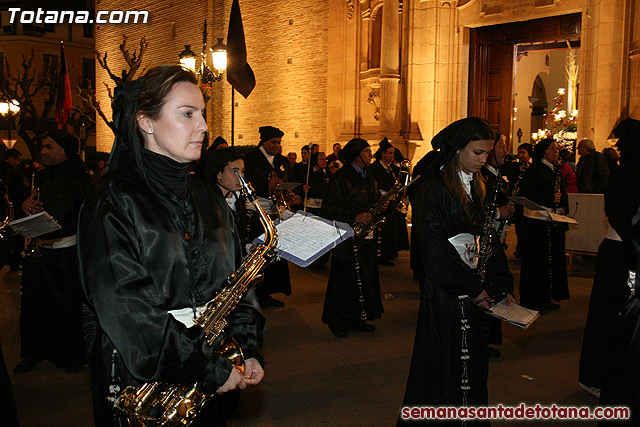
(18,41)
(330,70)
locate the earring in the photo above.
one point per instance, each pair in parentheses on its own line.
(150,131)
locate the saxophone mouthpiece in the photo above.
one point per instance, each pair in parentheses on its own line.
(246,188)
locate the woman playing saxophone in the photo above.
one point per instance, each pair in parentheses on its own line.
(156,245)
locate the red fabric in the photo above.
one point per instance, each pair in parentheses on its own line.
(64,102)
(570,177)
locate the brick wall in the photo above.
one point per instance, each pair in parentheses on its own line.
(286,48)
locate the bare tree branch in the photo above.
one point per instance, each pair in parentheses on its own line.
(134,62)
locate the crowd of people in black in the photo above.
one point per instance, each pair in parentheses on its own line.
(146,240)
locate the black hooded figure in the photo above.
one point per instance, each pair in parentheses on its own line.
(353,290)
(392,236)
(611,346)
(543,275)
(449,366)
(156,244)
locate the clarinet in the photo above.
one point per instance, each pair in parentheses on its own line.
(484,250)
(556,189)
(514,193)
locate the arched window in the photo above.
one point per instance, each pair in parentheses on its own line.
(375,38)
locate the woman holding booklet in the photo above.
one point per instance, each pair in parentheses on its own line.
(450,360)
(543,276)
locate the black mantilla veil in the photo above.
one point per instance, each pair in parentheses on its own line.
(127,145)
(454,137)
(540,148)
(352,150)
(446,144)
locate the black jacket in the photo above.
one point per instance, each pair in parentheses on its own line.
(257,169)
(62,190)
(592,173)
(138,262)
(348,195)
(384,177)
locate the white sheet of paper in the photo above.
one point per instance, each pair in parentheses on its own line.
(304,236)
(527,203)
(514,314)
(562,218)
(35,225)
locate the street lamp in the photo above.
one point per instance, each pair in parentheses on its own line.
(9,108)
(188,58)
(216,56)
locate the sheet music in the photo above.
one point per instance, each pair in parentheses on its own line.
(304,237)
(35,225)
(527,203)
(288,186)
(562,218)
(514,314)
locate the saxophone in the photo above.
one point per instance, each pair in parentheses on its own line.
(165,404)
(377,212)
(5,230)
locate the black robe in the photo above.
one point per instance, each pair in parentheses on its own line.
(143,252)
(610,290)
(51,296)
(257,169)
(448,284)
(621,382)
(543,275)
(392,236)
(318,187)
(348,195)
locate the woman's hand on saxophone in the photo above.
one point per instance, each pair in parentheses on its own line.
(253,374)
(363,218)
(31,206)
(235,381)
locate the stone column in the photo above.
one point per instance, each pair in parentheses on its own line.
(389,67)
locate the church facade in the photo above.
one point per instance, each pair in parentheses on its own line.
(327,71)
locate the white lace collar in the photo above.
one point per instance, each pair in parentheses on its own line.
(548,163)
(466,179)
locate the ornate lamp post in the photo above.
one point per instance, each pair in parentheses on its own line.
(213,61)
(8,108)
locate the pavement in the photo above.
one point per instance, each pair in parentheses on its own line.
(315,379)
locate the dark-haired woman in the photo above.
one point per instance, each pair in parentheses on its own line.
(157,244)
(353,290)
(392,235)
(449,366)
(543,276)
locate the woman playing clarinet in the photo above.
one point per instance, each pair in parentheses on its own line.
(543,276)
(450,361)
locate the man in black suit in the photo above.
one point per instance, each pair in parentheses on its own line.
(261,164)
